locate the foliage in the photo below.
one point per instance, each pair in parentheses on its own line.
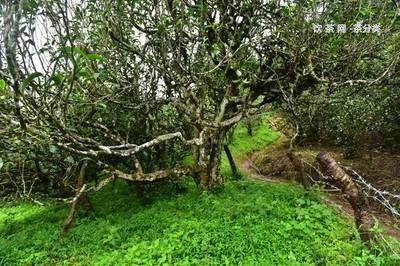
(247,223)
(135,85)
(360,111)
(368,118)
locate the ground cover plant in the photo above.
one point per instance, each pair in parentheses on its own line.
(249,222)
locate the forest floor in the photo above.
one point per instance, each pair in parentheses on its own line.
(271,164)
(332,198)
(248,222)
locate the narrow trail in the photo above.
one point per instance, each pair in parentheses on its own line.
(334,200)
(251,170)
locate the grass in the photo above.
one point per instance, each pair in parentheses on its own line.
(243,144)
(247,223)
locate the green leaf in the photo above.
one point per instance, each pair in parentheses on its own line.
(57,78)
(28,80)
(84,73)
(101,105)
(70,159)
(1,163)
(79,51)
(365,12)
(96,75)
(94,57)
(179,22)
(53,149)
(2,84)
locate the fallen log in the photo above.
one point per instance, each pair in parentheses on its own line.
(351,192)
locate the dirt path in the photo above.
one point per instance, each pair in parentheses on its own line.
(332,199)
(251,170)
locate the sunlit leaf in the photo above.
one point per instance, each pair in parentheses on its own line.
(95,57)
(2,84)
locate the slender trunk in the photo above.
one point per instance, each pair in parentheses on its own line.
(78,196)
(161,155)
(81,181)
(215,161)
(249,127)
(231,161)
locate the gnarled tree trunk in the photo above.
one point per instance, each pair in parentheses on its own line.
(209,160)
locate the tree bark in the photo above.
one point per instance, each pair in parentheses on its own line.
(209,161)
(84,199)
(11,28)
(231,160)
(249,127)
(80,192)
(154,176)
(81,196)
(351,192)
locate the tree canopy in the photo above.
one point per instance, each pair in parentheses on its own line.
(134,86)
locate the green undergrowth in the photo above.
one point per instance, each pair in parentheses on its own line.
(242,143)
(246,223)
